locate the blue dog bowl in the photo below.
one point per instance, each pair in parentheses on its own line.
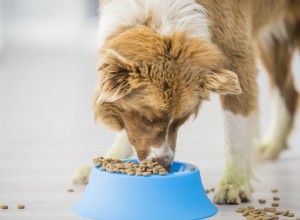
(177,196)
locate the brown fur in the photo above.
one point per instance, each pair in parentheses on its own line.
(156,78)
(277,58)
(234,34)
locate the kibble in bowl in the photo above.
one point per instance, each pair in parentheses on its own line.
(131,190)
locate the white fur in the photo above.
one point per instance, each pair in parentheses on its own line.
(169,17)
(281,122)
(164,151)
(81,175)
(104,97)
(121,148)
(277,30)
(241,136)
(280,119)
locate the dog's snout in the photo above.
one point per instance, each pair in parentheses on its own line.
(163,155)
(165,162)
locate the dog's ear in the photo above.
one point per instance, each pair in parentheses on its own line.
(118,77)
(221,81)
(108,114)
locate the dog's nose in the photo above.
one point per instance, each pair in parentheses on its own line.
(165,162)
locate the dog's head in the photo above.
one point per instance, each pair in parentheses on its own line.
(150,85)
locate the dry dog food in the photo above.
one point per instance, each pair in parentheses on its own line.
(70,190)
(20,206)
(145,168)
(192,167)
(262,201)
(266,213)
(285,213)
(209,190)
(3,206)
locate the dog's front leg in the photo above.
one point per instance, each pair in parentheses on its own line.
(241,134)
(120,149)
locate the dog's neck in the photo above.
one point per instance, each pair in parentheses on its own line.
(164,17)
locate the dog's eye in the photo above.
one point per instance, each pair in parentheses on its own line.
(148,123)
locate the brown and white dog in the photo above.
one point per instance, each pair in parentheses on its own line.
(160,59)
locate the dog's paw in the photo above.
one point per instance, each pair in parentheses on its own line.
(232,194)
(81,176)
(271,150)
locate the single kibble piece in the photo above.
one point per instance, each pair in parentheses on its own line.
(163,173)
(4,207)
(70,190)
(245,213)
(291,215)
(262,201)
(192,167)
(274,190)
(146,174)
(239,210)
(207,191)
(277,213)
(20,206)
(273,210)
(275,204)
(212,189)
(162,170)
(285,213)
(130,173)
(155,170)
(275,198)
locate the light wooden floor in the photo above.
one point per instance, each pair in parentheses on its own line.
(47,131)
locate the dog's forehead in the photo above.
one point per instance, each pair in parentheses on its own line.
(165,93)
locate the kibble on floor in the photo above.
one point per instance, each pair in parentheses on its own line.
(266,213)
(262,201)
(3,206)
(20,206)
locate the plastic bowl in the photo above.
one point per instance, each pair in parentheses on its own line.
(176,196)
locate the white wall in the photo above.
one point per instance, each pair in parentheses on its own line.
(48,23)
